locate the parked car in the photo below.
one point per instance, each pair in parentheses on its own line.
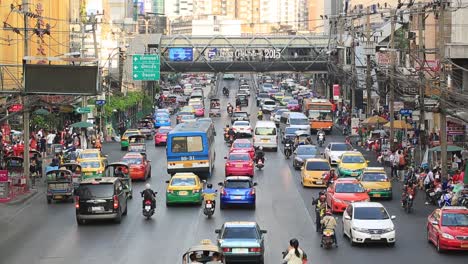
(447,228)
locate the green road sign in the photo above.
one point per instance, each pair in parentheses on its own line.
(83,110)
(146,67)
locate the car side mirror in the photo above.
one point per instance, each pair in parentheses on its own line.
(393,217)
(167,181)
(217,231)
(347,217)
(225,158)
(263,231)
(204,181)
(148,161)
(255,184)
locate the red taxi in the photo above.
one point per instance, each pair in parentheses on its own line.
(160,138)
(345,191)
(140,166)
(447,228)
(199,110)
(239,162)
(243,145)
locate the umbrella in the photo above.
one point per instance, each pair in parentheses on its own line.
(81,124)
(450,148)
(41,111)
(374,120)
(399,124)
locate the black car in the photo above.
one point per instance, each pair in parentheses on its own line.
(304,152)
(100,198)
(262,96)
(244,98)
(239,116)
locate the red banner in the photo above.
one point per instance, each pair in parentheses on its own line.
(15,108)
(336,90)
(3,175)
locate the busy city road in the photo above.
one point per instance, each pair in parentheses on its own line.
(41,233)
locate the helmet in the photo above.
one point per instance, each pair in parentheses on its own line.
(148,186)
(209,185)
(328,212)
(322,197)
(260,148)
(227,126)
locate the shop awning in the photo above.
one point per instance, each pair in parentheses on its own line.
(450,148)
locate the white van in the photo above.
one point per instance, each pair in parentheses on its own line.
(188,88)
(266,135)
(298,120)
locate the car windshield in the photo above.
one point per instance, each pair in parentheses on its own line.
(90,164)
(352,159)
(317,166)
(291,130)
(183,182)
(306,150)
(127,134)
(239,157)
(263,95)
(299,121)
(241,123)
(132,161)
(340,147)
(248,232)
(269,103)
(374,177)
(90,191)
(89,155)
(349,188)
(265,131)
(370,213)
(455,219)
(240,114)
(187,117)
(238,184)
(242,145)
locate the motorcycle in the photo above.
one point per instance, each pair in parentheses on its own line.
(209,208)
(321,140)
(148,209)
(230,112)
(445,199)
(345,131)
(408,203)
(327,238)
(287,150)
(226,93)
(260,117)
(259,164)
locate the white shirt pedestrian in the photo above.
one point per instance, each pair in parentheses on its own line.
(50,138)
(429,178)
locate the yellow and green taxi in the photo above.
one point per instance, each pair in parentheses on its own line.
(124,139)
(184,187)
(91,154)
(279,96)
(92,168)
(312,172)
(376,181)
(351,164)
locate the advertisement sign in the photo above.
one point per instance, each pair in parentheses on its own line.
(15,108)
(354,126)
(336,91)
(3,175)
(181,54)
(148,6)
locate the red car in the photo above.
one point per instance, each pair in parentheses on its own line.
(447,228)
(293,105)
(243,144)
(199,110)
(345,191)
(140,167)
(239,163)
(160,137)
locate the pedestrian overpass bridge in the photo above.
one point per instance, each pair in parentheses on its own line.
(279,53)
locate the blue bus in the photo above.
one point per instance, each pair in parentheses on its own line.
(190,148)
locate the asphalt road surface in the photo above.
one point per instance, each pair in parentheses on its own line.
(40,233)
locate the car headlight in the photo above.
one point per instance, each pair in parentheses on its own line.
(447,236)
(359,229)
(338,200)
(386,230)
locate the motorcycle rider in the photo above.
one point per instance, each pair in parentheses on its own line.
(259,155)
(238,102)
(231,133)
(329,222)
(331,176)
(230,108)
(209,194)
(408,189)
(149,194)
(260,115)
(289,141)
(320,135)
(320,207)
(225,90)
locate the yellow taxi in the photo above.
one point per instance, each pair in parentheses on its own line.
(124,139)
(351,164)
(312,172)
(376,181)
(92,168)
(184,187)
(91,154)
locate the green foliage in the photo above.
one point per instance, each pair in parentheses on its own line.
(122,103)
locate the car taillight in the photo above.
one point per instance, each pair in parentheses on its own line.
(116,202)
(250,164)
(228,164)
(196,191)
(148,202)
(226,249)
(256,249)
(170,191)
(77,202)
(252,191)
(99,172)
(223,193)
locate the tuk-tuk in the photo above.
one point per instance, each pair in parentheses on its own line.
(76,171)
(304,136)
(137,143)
(199,251)
(14,166)
(244,99)
(145,127)
(215,108)
(122,171)
(57,148)
(59,185)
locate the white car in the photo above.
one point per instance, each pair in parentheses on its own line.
(242,127)
(245,90)
(268,105)
(334,150)
(368,222)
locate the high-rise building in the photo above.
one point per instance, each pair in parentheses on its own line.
(176,8)
(158,6)
(315,22)
(202,8)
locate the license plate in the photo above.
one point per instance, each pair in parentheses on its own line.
(183,193)
(319,182)
(265,140)
(236,197)
(147,207)
(58,196)
(238,165)
(97,208)
(208,205)
(354,174)
(187,165)
(375,237)
(88,173)
(240,250)
(376,195)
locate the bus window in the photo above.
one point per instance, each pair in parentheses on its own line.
(187,144)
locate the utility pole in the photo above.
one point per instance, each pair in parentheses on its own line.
(422,79)
(25,6)
(84,99)
(442,81)
(368,64)
(392,77)
(353,67)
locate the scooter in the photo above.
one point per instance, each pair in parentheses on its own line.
(320,141)
(148,209)
(260,117)
(445,199)
(259,164)
(209,208)
(327,238)
(408,203)
(287,150)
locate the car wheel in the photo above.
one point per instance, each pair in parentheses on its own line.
(262,260)
(118,219)
(351,238)
(149,174)
(49,200)
(80,221)
(222,206)
(438,246)
(168,204)
(428,236)
(253,206)
(275,149)
(392,244)
(342,229)
(126,208)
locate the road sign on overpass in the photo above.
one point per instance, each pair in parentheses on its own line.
(146,67)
